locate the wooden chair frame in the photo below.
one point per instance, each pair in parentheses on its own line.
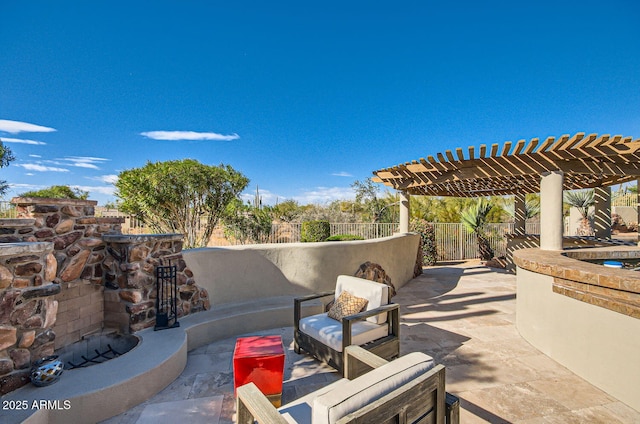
(387,347)
(421,400)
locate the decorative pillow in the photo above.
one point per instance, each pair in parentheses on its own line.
(346,304)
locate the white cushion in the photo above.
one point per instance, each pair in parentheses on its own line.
(329,331)
(299,411)
(377,294)
(335,404)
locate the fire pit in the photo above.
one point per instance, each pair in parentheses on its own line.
(96,349)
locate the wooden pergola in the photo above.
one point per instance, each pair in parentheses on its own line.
(586,162)
(549,167)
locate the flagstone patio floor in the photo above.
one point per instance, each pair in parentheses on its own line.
(462,314)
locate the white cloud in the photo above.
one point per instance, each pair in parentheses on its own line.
(85,165)
(26,187)
(322,195)
(342,174)
(15,127)
(108,190)
(188,135)
(107,179)
(84,161)
(35,156)
(21,141)
(40,168)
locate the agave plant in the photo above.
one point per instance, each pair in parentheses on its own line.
(582,200)
(531,208)
(474,219)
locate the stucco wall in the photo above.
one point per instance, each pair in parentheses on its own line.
(243,273)
(596,343)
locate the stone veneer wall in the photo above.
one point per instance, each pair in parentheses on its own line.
(54,267)
(27,309)
(76,234)
(130,292)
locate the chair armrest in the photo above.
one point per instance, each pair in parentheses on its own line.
(313,296)
(361,316)
(354,354)
(452,414)
(393,321)
(297,305)
(252,406)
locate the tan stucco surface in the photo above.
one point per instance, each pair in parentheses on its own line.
(600,345)
(243,273)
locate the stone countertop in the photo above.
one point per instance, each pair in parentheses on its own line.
(18,248)
(611,288)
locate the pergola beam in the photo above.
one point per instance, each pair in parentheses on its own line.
(585,160)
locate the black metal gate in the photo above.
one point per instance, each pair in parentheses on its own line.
(167,297)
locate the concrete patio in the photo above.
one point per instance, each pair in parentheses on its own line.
(461,314)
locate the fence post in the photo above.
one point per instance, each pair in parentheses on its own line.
(460,233)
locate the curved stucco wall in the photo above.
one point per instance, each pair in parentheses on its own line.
(595,342)
(241,273)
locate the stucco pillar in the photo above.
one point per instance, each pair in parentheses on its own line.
(405,211)
(519,214)
(602,214)
(551,210)
(638,206)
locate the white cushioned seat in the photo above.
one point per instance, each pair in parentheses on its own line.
(299,411)
(328,404)
(332,405)
(377,294)
(329,331)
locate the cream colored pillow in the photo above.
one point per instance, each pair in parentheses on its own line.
(346,304)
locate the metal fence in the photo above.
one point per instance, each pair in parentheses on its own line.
(453,241)
(7,210)
(624,199)
(289,232)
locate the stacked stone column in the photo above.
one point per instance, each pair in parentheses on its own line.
(28,309)
(130,293)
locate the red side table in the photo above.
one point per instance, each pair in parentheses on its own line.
(260,359)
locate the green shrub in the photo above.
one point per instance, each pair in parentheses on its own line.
(344,237)
(58,192)
(315,231)
(428,240)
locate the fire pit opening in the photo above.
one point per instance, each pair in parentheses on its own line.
(96,349)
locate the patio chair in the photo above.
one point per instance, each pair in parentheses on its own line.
(376,328)
(408,389)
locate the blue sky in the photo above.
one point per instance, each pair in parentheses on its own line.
(302,97)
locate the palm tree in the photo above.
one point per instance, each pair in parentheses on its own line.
(474,218)
(582,200)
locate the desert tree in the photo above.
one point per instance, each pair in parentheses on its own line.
(180,196)
(6,157)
